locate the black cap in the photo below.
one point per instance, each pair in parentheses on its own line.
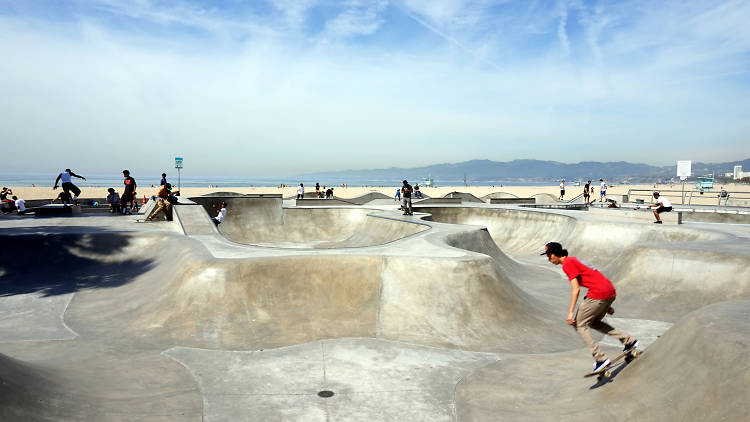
(552,248)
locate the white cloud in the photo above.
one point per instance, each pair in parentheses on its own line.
(274,104)
(562,33)
(358,18)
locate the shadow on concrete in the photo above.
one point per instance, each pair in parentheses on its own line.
(55,264)
(616,370)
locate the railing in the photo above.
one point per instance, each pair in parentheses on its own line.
(722,196)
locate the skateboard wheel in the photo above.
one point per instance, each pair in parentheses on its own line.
(607,374)
(635,353)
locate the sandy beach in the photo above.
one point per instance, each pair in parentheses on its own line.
(708,198)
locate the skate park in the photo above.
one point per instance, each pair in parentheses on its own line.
(314,312)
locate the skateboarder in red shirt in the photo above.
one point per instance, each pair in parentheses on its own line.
(594,306)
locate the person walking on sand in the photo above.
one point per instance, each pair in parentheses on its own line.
(562,189)
(602,191)
(397,197)
(663,205)
(128,195)
(406,191)
(587,193)
(67,184)
(595,305)
(301,191)
(163,180)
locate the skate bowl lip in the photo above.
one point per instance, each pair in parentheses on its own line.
(371,214)
(367,212)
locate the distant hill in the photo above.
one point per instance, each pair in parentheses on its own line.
(531,171)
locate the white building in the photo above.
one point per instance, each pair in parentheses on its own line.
(739,174)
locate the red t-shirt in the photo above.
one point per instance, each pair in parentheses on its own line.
(600,287)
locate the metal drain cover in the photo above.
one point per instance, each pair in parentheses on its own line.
(325,394)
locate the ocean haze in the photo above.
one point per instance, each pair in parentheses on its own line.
(477,172)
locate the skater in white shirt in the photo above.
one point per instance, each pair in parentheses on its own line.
(663,205)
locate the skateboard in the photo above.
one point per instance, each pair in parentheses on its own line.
(606,373)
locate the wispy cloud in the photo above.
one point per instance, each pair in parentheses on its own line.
(562,24)
(287,84)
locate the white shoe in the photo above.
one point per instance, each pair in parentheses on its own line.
(599,365)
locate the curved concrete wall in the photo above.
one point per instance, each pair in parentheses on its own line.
(662,271)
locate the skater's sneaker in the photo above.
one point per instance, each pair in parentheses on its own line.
(598,365)
(657,222)
(630,346)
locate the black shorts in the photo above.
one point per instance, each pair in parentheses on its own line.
(70,187)
(663,209)
(562,192)
(586,195)
(126,198)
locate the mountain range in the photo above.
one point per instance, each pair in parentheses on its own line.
(532,171)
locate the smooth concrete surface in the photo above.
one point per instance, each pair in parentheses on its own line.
(465,197)
(642,213)
(450,314)
(505,201)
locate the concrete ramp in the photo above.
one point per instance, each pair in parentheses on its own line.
(698,370)
(498,195)
(662,271)
(263,222)
(346,313)
(545,198)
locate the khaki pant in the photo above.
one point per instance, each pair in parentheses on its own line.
(162,205)
(406,205)
(590,314)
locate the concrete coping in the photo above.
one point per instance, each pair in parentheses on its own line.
(673,217)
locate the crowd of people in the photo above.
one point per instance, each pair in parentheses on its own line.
(127,203)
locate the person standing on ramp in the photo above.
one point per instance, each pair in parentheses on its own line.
(406,191)
(128,195)
(67,184)
(594,306)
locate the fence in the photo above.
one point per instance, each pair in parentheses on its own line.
(722,197)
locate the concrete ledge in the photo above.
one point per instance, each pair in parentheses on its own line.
(716,217)
(437,201)
(644,214)
(322,202)
(55,210)
(512,200)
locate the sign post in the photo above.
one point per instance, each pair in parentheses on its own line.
(178,166)
(683,172)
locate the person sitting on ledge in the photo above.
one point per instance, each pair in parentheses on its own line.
(221,213)
(113,199)
(162,204)
(663,205)
(20,205)
(64,197)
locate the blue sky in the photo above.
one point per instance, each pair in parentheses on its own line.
(295,86)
